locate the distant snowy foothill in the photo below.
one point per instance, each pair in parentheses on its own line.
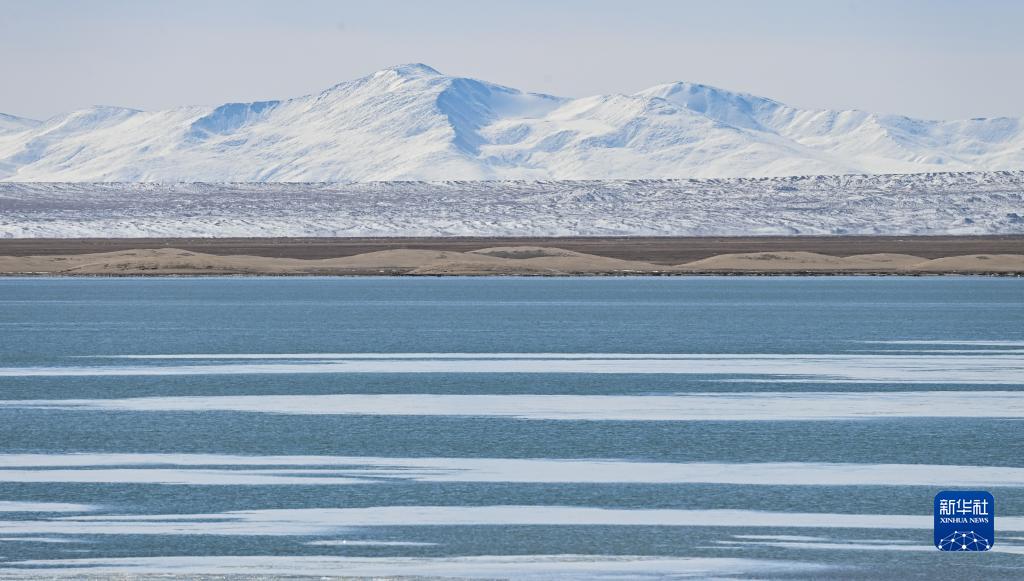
(411,122)
(920,204)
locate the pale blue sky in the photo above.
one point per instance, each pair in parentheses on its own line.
(937,59)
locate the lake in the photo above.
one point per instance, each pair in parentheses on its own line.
(770,427)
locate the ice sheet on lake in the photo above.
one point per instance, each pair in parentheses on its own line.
(451,356)
(193,477)
(844,545)
(964,342)
(367,543)
(795,538)
(729,406)
(44,540)
(28,506)
(487,567)
(203,469)
(332,521)
(975,369)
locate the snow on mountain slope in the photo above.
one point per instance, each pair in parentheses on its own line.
(9,124)
(411,122)
(12,124)
(872,143)
(938,203)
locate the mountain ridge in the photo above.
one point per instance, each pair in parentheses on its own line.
(411,122)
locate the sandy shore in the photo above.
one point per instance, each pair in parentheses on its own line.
(525,260)
(665,250)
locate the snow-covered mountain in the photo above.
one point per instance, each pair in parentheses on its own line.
(411,122)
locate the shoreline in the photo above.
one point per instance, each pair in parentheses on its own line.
(747,256)
(720,274)
(666,250)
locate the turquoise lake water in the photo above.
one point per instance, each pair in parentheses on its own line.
(768,427)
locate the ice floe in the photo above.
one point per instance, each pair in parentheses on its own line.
(727,406)
(203,469)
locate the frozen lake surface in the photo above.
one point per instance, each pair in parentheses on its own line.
(492,427)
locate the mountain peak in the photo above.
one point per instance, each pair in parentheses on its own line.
(729,107)
(411,70)
(685,92)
